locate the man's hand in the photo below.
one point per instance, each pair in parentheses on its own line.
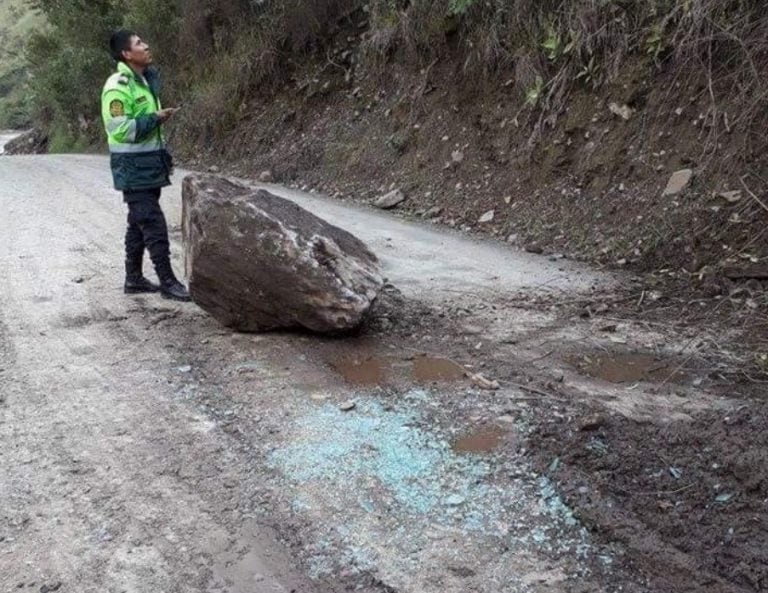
(165,114)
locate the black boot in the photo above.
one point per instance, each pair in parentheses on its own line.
(174,290)
(135,283)
(170,287)
(139,285)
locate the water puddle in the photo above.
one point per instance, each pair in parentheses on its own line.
(362,371)
(484,440)
(427,369)
(628,368)
(371,370)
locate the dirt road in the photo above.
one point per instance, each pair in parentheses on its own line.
(110,483)
(143,448)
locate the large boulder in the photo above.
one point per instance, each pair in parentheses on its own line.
(258,262)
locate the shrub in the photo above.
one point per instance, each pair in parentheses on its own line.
(218,54)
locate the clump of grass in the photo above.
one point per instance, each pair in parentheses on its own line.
(571,43)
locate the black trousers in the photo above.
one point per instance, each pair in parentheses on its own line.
(148,230)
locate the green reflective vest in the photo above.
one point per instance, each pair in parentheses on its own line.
(129,106)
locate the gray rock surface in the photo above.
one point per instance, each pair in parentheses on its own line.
(678,182)
(258,262)
(390,200)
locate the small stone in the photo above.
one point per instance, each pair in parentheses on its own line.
(78,280)
(457,157)
(623,111)
(678,182)
(711,289)
(433,212)
(213,169)
(390,200)
(482,382)
(507,200)
(512,239)
(266,176)
(534,248)
(592,422)
(455,500)
(347,406)
(730,196)
(185,369)
(487,217)
(609,328)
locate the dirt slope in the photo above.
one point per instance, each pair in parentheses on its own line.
(586,181)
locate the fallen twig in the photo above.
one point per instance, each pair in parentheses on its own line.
(543,356)
(536,391)
(752,194)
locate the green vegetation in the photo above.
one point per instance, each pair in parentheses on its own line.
(219,54)
(68,65)
(16,23)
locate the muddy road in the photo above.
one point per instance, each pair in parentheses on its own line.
(144,448)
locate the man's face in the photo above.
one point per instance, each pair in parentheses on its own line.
(139,54)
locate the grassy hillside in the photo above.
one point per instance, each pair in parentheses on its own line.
(17,21)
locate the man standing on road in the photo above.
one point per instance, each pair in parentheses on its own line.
(141,166)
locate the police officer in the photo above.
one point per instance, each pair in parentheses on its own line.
(141,166)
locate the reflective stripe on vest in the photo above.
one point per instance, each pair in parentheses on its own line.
(124,148)
(114,124)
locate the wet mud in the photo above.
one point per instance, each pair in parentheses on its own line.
(483,440)
(627,367)
(373,370)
